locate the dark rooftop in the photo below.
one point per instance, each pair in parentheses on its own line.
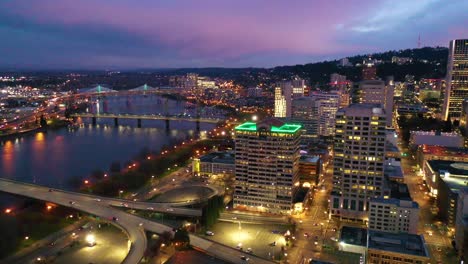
(399,191)
(353,235)
(404,243)
(219,157)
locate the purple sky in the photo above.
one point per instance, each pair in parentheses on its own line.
(123,34)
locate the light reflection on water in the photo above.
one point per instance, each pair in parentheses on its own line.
(51,158)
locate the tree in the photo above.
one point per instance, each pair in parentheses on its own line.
(115,167)
(97,174)
(43,121)
(10,236)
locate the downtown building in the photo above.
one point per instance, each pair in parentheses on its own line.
(456,89)
(267,165)
(393,215)
(316,113)
(283,99)
(376,92)
(359,157)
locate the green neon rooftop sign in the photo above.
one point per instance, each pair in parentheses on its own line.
(286,128)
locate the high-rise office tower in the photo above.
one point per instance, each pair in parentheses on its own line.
(283,99)
(317,113)
(327,105)
(305,112)
(267,165)
(359,155)
(376,92)
(456,89)
(369,72)
(298,87)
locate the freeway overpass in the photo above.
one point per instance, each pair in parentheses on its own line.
(133,225)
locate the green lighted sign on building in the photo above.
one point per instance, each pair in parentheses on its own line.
(286,128)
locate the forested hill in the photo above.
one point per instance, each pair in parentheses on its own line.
(427,63)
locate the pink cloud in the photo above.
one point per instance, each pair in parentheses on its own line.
(303,27)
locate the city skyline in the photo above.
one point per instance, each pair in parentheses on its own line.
(96,35)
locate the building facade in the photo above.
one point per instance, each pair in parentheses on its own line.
(327,105)
(214,163)
(358,168)
(283,99)
(305,111)
(267,165)
(456,89)
(376,92)
(393,215)
(391,248)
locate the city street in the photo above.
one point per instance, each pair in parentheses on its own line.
(439,243)
(316,234)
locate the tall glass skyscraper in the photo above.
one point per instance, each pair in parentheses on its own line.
(457,79)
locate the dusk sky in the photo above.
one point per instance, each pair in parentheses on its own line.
(126,34)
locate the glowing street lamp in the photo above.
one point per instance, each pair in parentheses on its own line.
(8,210)
(91,240)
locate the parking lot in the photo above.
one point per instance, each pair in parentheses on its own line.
(254,236)
(110,247)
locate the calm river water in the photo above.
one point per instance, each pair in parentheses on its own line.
(53,157)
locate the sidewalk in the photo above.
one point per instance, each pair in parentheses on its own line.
(24,253)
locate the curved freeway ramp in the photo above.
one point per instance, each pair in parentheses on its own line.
(133,225)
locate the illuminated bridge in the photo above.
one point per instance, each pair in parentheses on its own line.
(166,118)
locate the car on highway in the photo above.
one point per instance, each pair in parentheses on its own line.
(170,210)
(273,243)
(97,200)
(115,218)
(209,233)
(71,202)
(244,258)
(150,208)
(306,234)
(249,250)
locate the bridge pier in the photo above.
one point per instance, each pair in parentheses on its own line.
(93,120)
(116,122)
(139,122)
(197,125)
(167,125)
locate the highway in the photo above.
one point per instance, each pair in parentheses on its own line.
(133,225)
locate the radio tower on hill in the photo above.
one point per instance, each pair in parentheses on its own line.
(419,41)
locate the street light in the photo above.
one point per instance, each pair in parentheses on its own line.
(91,240)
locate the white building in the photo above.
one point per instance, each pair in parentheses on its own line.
(358,167)
(393,215)
(283,99)
(267,165)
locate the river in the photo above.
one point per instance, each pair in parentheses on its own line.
(51,158)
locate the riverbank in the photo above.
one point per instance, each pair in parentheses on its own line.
(52,124)
(149,168)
